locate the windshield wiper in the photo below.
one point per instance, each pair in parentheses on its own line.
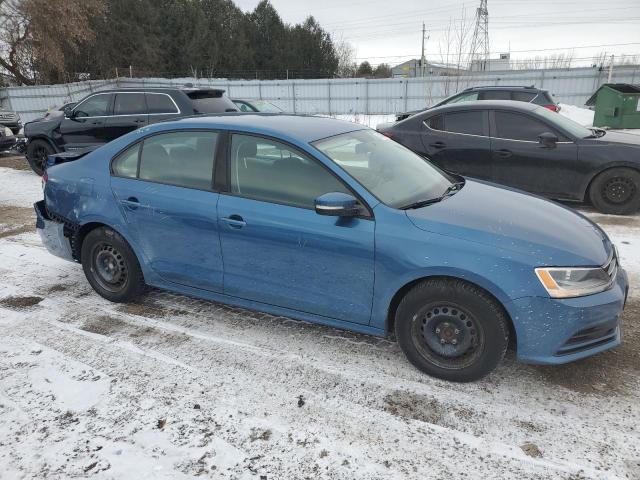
(451,189)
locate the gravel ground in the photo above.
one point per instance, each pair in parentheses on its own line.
(174,387)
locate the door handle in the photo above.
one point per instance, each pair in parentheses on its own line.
(504,153)
(131,203)
(139,121)
(438,144)
(235,221)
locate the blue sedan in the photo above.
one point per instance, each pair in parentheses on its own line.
(333,223)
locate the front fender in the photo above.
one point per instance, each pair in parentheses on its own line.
(405,254)
(383,302)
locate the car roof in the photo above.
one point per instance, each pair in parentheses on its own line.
(505,87)
(305,128)
(160,89)
(485,104)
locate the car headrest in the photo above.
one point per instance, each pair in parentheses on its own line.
(248,149)
(156,152)
(206,144)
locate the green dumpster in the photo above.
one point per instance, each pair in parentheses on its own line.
(617,105)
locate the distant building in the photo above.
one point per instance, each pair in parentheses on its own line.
(492,64)
(411,68)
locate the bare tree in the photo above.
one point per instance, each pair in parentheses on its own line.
(455,47)
(346,54)
(560,60)
(35,34)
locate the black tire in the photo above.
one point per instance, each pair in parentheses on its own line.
(616,191)
(110,266)
(37,152)
(451,330)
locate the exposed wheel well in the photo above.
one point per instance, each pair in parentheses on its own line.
(80,235)
(45,139)
(399,295)
(588,189)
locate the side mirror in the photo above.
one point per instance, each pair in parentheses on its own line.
(68,112)
(337,204)
(548,139)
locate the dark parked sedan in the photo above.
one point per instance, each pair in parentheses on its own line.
(529,147)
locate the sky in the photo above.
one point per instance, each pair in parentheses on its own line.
(390,31)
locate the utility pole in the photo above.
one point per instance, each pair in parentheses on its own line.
(480,42)
(423,58)
(422,55)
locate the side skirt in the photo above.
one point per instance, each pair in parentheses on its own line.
(267,308)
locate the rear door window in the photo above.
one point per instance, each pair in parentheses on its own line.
(470,123)
(436,123)
(184,159)
(160,103)
(513,126)
(130,104)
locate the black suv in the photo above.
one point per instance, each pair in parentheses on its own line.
(530,94)
(105,115)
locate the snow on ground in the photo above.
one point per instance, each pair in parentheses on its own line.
(19,188)
(174,387)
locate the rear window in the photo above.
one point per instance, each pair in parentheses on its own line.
(523,96)
(543,98)
(211,101)
(495,95)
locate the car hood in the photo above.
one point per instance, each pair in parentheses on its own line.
(547,233)
(617,138)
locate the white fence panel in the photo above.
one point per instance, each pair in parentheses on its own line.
(355,96)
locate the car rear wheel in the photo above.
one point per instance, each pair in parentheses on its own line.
(110,266)
(616,191)
(452,330)
(37,152)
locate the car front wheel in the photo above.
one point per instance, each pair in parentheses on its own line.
(616,191)
(452,330)
(110,266)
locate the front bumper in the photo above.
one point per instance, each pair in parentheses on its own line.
(554,331)
(52,233)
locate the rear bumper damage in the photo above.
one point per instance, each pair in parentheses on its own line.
(52,233)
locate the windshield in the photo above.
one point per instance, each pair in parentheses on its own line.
(392,173)
(571,126)
(267,107)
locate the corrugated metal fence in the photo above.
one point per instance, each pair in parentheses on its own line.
(336,96)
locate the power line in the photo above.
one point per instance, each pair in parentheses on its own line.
(525,51)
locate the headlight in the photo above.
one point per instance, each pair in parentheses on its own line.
(573,282)
(7,132)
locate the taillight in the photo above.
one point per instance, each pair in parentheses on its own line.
(45,178)
(553,108)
